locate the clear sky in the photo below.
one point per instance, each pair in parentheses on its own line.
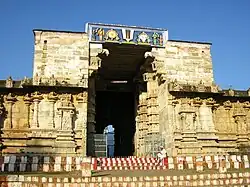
(225,23)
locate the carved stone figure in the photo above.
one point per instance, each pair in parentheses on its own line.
(231,92)
(66,100)
(9,82)
(83,82)
(188,120)
(197,100)
(52,96)
(175,86)
(67,117)
(52,81)
(215,88)
(83,96)
(210,101)
(201,87)
(36,79)
(227,104)
(240,120)
(25,81)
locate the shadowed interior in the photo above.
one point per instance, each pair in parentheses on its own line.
(116,94)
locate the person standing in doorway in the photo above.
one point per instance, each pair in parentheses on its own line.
(161,155)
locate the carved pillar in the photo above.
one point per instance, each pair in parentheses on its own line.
(2,114)
(188,117)
(64,140)
(228,106)
(210,103)
(36,97)
(91,105)
(91,117)
(52,97)
(10,100)
(27,100)
(241,122)
(141,123)
(206,123)
(82,100)
(152,103)
(201,118)
(81,126)
(97,53)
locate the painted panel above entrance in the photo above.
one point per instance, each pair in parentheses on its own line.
(126,34)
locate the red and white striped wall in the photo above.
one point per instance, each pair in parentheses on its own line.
(61,163)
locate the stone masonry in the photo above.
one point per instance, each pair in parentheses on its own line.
(54,111)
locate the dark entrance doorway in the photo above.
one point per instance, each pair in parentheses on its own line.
(116,93)
(117,108)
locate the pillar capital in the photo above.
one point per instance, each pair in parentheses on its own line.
(36,96)
(148,77)
(10,98)
(52,97)
(82,97)
(97,54)
(27,99)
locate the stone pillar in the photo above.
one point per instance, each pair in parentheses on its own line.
(240,119)
(36,97)
(153,135)
(141,123)
(97,53)
(2,114)
(81,127)
(188,117)
(64,141)
(152,103)
(91,117)
(205,125)
(210,103)
(52,98)
(27,100)
(228,107)
(10,100)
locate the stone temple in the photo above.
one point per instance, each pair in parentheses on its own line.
(137,79)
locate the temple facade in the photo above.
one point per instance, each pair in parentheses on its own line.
(175,96)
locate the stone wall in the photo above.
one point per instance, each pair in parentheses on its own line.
(187,62)
(63,56)
(44,122)
(208,123)
(180,103)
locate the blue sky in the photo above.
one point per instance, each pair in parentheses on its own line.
(225,23)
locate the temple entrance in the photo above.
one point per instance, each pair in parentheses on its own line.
(117,94)
(117,108)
